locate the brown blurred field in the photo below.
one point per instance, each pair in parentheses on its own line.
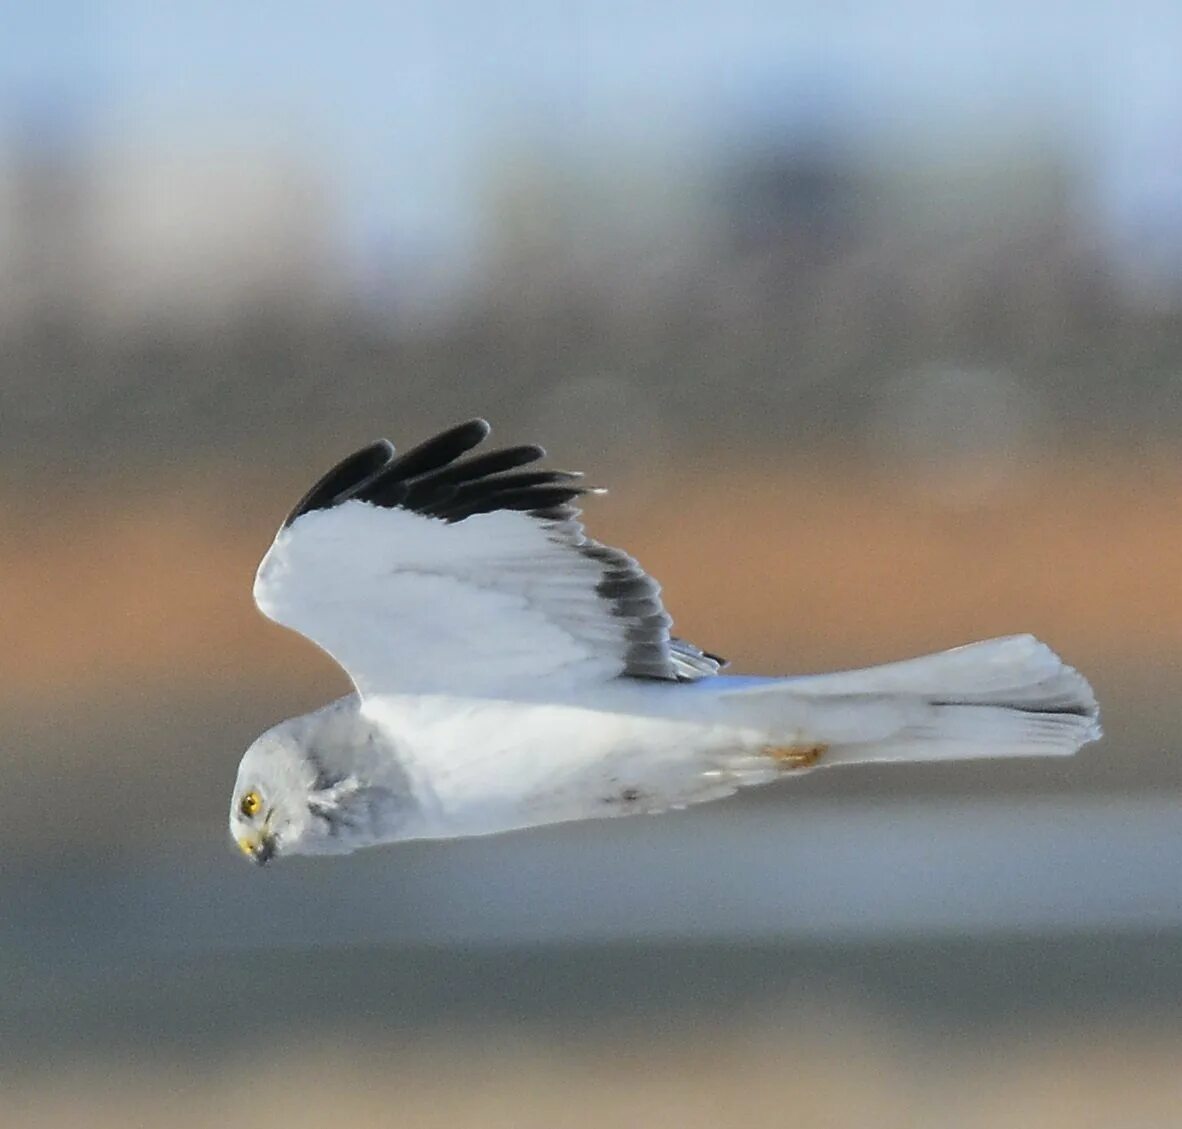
(815,564)
(805,1071)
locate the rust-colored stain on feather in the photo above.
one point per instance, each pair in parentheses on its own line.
(792,758)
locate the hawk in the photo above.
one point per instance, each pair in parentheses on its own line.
(509,671)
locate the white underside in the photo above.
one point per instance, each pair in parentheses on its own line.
(480,766)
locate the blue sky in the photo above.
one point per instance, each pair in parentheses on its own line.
(403,100)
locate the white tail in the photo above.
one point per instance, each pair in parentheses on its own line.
(1002,697)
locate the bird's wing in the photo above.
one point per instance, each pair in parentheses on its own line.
(430,573)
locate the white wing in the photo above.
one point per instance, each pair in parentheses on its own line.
(424,574)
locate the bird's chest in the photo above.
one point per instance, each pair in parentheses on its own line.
(479,767)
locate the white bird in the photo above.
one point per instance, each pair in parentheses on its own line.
(510,672)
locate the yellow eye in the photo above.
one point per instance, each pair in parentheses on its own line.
(251,805)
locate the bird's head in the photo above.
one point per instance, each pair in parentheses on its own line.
(287,802)
(269,808)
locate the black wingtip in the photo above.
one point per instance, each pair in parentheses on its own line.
(440,450)
(435,479)
(344,478)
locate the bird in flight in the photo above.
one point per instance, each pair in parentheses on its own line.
(510,672)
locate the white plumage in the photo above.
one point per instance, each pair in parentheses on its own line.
(411,604)
(511,672)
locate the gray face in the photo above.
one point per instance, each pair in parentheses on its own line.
(286,801)
(269,807)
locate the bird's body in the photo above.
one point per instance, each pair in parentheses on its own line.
(511,673)
(470,766)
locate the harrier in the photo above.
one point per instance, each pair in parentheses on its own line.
(510,672)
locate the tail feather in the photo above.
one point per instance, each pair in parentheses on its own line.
(973,732)
(1016,670)
(1002,697)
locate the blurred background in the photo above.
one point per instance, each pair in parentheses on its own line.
(869,315)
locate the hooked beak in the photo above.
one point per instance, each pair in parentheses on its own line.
(260,848)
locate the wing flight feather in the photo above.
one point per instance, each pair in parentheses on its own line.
(428,572)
